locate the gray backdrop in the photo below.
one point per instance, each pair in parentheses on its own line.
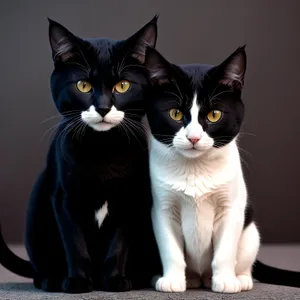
(189,31)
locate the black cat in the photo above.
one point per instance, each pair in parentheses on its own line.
(96,173)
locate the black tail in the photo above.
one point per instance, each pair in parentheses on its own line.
(272,275)
(14,263)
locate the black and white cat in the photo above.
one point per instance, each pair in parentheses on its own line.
(202,218)
(97,171)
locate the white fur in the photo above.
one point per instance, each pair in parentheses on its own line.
(101,214)
(199,196)
(194,130)
(113,118)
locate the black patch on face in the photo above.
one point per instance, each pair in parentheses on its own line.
(217,88)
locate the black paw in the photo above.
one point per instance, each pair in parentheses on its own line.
(73,285)
(48,284)
(116,284)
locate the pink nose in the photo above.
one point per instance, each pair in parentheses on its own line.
(194,140)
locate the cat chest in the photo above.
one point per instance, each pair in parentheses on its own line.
(192,179)
(197,222)
(193,184)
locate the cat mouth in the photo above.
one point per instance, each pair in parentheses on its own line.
(99,123)
(102,126)
(190,152)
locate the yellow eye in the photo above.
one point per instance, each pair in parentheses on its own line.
(122,86)
(176,114)
(214,116)
(83,86)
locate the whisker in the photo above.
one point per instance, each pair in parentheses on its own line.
(123,129)
(177,87)
(52,128)
(50,118)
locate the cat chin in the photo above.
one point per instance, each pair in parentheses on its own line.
(190,153)
(102,126)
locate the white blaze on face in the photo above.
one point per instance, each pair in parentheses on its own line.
(194,130)
(191,141)
(93,119)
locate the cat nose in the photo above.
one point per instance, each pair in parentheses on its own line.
(102,111)
(194,139)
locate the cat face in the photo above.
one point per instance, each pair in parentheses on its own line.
(99,81)
(195,109)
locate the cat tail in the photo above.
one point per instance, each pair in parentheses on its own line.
(12,262)
(273,275)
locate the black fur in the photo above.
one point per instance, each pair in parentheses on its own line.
(86,168)
(217,87)
(175,88)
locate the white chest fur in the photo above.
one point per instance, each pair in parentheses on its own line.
(196,190)
(101,214)
(193,177)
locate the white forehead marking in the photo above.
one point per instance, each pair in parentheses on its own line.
(195,110)
(194,129)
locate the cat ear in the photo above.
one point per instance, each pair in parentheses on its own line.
(62,41)
(145,37)
(233,69)
(158,67)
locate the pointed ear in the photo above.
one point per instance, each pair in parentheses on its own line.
(145,37)
(233,69)
(62,41)
(158,67)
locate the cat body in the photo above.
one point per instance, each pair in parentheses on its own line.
(88,222)
(197,195)
(201,216)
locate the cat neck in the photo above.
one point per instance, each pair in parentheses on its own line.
(215,156)
(104,141)
(194,177)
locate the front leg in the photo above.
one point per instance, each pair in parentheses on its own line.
(227,233)
(168,234)
(114,279)
(78,259)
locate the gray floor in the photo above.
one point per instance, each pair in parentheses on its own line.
(15,287)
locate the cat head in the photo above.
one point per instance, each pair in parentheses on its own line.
(100,81)
(195,109)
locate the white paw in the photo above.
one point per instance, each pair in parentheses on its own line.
(170,284)
(226,284)
(246,282)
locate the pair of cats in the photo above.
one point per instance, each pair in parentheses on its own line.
(89,220)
